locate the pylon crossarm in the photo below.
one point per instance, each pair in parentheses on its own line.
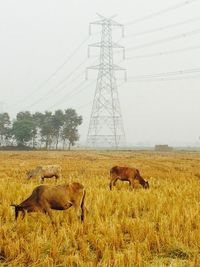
(113,45)
(107,21)
(115,67)
(116,45)
(102,67)
(95,45)
(93,67)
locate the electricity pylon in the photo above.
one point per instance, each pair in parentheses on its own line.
(106,125)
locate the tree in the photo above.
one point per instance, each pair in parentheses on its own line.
(4,127)
(70,131)
(27,122)
(46,128)
(24,115)
(23,131)
(38,119)
(57,123)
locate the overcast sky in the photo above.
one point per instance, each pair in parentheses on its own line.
(38,36)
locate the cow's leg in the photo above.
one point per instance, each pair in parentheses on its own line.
(83,207)
(23,214)
(78,210)
(110,185)
(56,178)
(42,179)
(131,183)
(54,222)
(79,205)
(113,182)
(49,212)
(44,207)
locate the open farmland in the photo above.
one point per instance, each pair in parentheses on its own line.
(155,227)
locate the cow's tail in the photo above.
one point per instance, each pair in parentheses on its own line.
(16,210)
(82,206)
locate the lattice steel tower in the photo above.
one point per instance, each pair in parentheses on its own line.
(106,125)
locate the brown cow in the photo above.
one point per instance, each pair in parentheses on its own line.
(58,197)
(131,175)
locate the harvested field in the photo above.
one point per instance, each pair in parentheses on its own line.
(155,227)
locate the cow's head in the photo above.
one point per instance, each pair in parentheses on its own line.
(146,184)
(30,174)
(16,210)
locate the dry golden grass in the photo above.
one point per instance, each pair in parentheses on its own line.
(155,227)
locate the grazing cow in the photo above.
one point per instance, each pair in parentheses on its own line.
(57,197)
(47,171)
(131,175)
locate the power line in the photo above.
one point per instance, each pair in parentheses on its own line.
(63,98)
(84,105)
(165,74)
(65,62)
(162,79)
(54,73)
(163,27)
(161,12)
(79,91)
(73,92)
(44,97)
(167,52)
(172,38)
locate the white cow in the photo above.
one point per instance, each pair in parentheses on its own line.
(46,171)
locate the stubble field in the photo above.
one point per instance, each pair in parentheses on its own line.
(159,226)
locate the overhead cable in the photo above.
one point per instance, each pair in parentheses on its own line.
(161,12)
(163,27)
(162,53)
(168,39)
(37,89)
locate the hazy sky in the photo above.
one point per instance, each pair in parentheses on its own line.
(36,37)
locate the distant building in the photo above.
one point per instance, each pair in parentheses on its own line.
(163,148)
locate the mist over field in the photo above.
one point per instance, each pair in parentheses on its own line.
(44,47)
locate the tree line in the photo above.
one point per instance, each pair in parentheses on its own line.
(40,130)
